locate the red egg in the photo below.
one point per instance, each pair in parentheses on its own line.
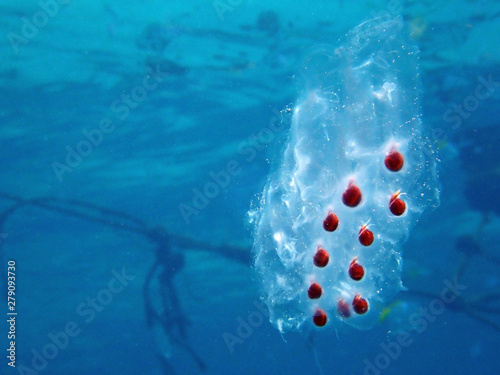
(356,271)
(394,161)
(352,196)
(314,291)
(319,318)
(396,205)
(343,308)
(365,236)
(321,257)
(359,304)
(331,222)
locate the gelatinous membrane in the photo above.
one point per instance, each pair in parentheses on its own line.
(358,103)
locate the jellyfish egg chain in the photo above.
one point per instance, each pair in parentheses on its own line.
(354,176)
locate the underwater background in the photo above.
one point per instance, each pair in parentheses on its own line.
(115,116)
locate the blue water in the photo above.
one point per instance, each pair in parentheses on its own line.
(141,107)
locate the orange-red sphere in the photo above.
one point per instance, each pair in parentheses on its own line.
(394,161)
(356,270)
(321,258)
(365,236)
(359,304)
(352,196)
(319,318)
(331,222)
(396,205)
(315,291)
(343,308)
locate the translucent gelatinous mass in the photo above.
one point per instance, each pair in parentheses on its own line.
(356,145)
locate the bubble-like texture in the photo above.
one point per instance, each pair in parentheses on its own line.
(359,102)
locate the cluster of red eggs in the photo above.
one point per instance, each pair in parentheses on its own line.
(352,197)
